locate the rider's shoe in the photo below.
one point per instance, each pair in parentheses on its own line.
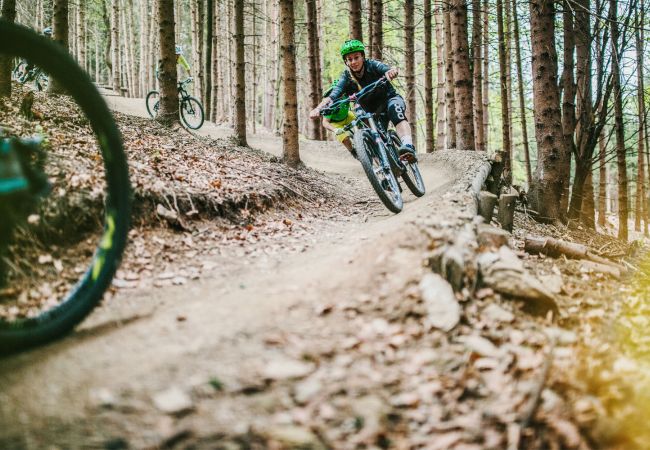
(407,153)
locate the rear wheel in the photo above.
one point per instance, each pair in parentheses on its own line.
(153,99)
(411,174)
(192,113)
(378,172)
(62,241)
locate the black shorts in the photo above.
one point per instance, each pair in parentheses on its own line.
(395,111)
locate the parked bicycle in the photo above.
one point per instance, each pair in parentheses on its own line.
(376,148)
(52,272)
(24,73)
(190,109)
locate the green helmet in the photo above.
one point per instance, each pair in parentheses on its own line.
(340,112)
(351,46)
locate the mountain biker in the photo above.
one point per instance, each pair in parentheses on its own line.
(181,61)
(338,119)
(361,72)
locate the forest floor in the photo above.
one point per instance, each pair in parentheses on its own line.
(286,309)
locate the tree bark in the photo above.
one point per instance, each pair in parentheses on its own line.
(409,57)
(618,125)
(477,44)
(356,31)
(602,181)
(290,146)
(315,86)
(546,190)
(81,34)
(428,78)
(197,47)
(640,214)
(371,27)
(449,81)
(168,113)
(486,73)
(520,82)
(240,70)
(60,36)
(377,29)
(505,103)
(115,42)
(441,122)
(209,58)
(8,14)
(462,76)
(588,212)
(568,102)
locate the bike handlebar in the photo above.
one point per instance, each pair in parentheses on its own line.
(354,97)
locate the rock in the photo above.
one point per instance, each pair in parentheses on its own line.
(286,369)
(306,390)
(489,236)
(173,401)
(553,282)
(590,266)
(504,272)
(443,309)
(480,345)
(289,437)
(374,411)
(103,397)
(496,313)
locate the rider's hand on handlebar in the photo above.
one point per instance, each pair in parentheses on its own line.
(314,113)
(392,73)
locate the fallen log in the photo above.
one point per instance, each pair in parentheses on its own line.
(487,202)
(555,248)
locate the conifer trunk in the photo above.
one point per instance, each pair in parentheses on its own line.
(450,100)
(8,14)
(428,78)
(168,113)
(477,44)
(290,149)
(356,31)
(240,73)
(545,190)
(315,88)
(462,77)
(441,122)
(409,56)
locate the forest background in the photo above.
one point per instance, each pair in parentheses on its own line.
(395,31)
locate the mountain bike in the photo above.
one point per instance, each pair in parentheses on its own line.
(377,149)
(191,110)
(57,257)
(36,75)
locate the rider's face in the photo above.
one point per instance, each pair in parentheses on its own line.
(354,61)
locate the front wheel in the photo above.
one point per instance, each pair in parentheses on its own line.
(153,102)
(192,113)
(411,174)
(378,171)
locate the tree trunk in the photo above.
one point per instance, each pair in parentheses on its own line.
(462,76)
(520,82)
(428,78)
(640,180)
(240,70)
(588,212)
(371,27)
(197,47)
(168,113)
(602,181)
(290,148)
(441,123)
(619,126)
(209,58)
(115,41)
(214,60)
(546,190)
(60,36)
(356,32)
(449,82)
(8,14)
(568,103)
(409,56)
(315,86)
(486,73)
(81,33)
(505,100)
(377,29)
(477,44)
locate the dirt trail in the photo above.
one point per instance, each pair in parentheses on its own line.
(144,342)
